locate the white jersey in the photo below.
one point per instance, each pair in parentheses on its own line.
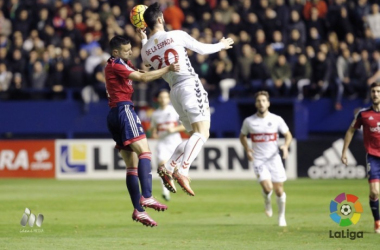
(162,119)
(165,48)
(264,134)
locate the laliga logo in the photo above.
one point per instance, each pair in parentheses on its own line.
(29,218)
(346,210)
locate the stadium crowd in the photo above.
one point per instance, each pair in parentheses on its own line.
(292,48)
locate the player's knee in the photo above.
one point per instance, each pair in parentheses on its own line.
(374,194)
(267,190)
(279,191)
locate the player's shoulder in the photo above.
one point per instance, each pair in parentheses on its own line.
(251,118)
(118,62)
(363,111)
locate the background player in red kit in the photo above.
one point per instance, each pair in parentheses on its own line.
(369,118)
(126,128)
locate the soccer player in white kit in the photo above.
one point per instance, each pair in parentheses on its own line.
(263,128)
(187,94)
(166,128)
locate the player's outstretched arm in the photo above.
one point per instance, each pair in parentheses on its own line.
(347,140)
(244,142)
(154,74)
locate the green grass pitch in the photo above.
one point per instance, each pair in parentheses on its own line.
(222,215)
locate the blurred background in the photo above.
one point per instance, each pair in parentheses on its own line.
(316,58)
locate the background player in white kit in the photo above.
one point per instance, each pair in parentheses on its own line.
(165,127)
(187,94)
(263,128)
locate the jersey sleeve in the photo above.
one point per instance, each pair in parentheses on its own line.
(244,128)
(192,44)
(122,69)
(282,127)
(358,121)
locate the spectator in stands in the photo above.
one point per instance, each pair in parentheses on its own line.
(314,39)
(376,68)
(373,21)
(217,22)
(234,26)
(23,23)
(320,76)
(17,62)
(173,15)
(271,58)
(301,75)
(252,25)
(366,63)
(316,22)
(260,43)
(39,76)
(282,12)
(278,43)
(5,25)
(297,24)
(357,85)
(90,44)
(226,10)
(320,5)
(5,77)
(343,25)
(201,7)
(291,55)
(43,20)
(280,83)
(259,73)
(295,40)
(244,64)
(343,66)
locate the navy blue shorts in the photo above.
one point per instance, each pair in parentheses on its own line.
(373,168)
(124,125)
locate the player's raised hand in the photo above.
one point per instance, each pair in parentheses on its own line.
(174,67)
(285,151)
(227,42)
(344,159)
(250,154)
(141,33)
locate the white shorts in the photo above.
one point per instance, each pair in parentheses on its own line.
(272,169)
(165,150)
(190,100)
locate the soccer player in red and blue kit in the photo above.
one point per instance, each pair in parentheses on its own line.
(126,129)
(369,119)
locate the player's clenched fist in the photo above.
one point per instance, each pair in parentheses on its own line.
(174,67)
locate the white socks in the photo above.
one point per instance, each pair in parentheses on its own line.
(281,204)
(191,151)
(266,196)
(176,158)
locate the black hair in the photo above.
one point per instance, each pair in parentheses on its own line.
(375,84)
(151,14)
(117,41)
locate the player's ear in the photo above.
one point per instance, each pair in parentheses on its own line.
(115,52)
